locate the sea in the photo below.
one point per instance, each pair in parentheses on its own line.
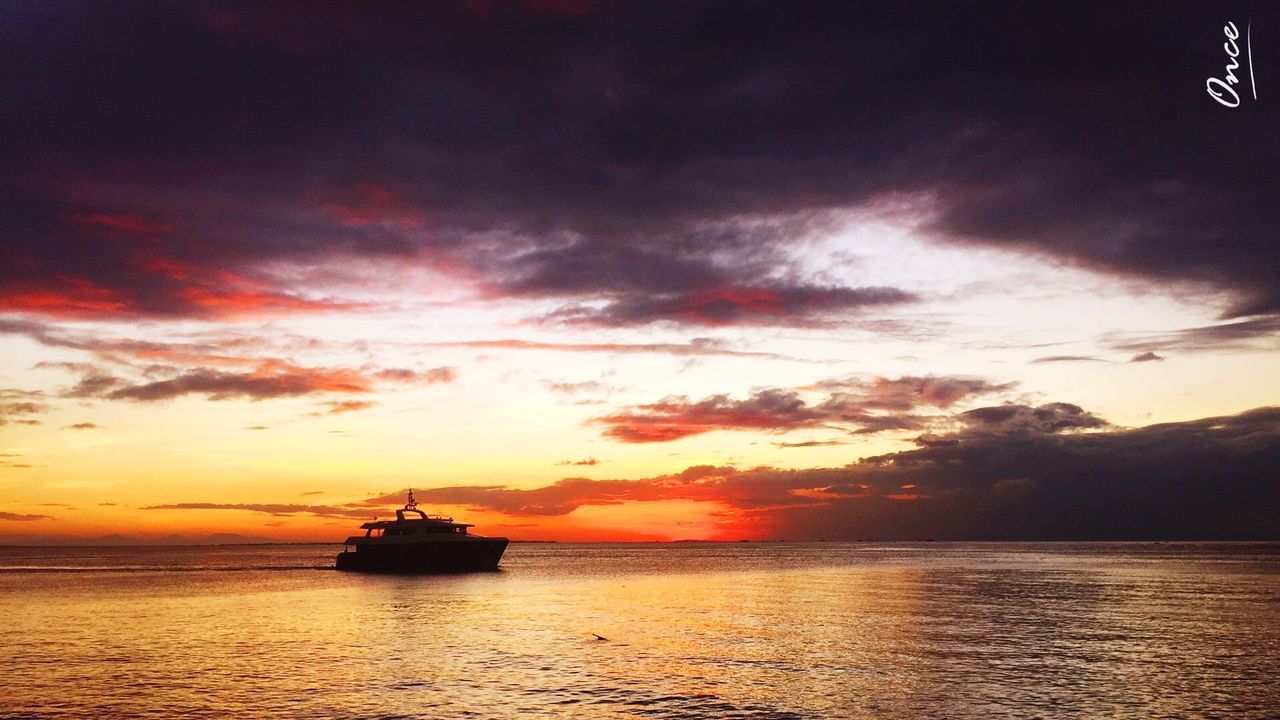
(660,630)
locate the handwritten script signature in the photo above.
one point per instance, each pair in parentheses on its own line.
(1223,90)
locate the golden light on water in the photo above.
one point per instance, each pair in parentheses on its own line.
(713,630)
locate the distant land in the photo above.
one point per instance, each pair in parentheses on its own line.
(117,540)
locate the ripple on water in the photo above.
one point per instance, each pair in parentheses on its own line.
(696,631)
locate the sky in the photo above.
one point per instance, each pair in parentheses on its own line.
(639,271)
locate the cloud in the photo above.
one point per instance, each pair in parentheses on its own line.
(293,27)
(94,381)
(1067,359)
(909,391)
(11,460)
(1033,480)
(1208,478)
(1020,420)
(658,182)
(809,443)
(124,351)
(675,418)
(17,411)
(281,509)
(1147,356)
(270,379)
(588,461)
(422,377)
(859,406)
(337,407)
(84,426)
(698,347)
(574,388)
(1253,334)
(19,517)
(758,305)
(186,374)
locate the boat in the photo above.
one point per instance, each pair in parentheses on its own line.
(421,544)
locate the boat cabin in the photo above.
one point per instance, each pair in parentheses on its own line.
(405,526)
(423,525)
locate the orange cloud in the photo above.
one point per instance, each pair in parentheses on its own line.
(69,296)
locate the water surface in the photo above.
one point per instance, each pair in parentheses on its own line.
(748,630)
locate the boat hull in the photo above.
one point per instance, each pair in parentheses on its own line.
(427,557)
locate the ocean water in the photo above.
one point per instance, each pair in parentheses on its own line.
(746,630)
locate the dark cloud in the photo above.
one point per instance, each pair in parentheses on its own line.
(909,391)
(1021,420)
(1256,334)
(634,162)
(271,382)
(588,461)
(1066,359)
(568,494)
(270,379)
(94,381)
(1205,479)
(1147,356)
(860,406)
(19,517)
(809,443)
(84,426)
(281,509)
(697,347)
(675,418)
(799,306)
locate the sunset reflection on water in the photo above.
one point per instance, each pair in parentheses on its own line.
(694,630)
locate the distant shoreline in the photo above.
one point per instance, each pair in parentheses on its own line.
(145,545)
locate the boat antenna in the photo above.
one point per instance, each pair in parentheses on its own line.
(412,504)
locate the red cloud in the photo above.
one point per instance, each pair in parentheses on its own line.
(63,296)
(631,429)
(226,302)
(864,407)
(159,287)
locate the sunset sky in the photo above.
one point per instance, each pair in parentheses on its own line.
(625,271)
